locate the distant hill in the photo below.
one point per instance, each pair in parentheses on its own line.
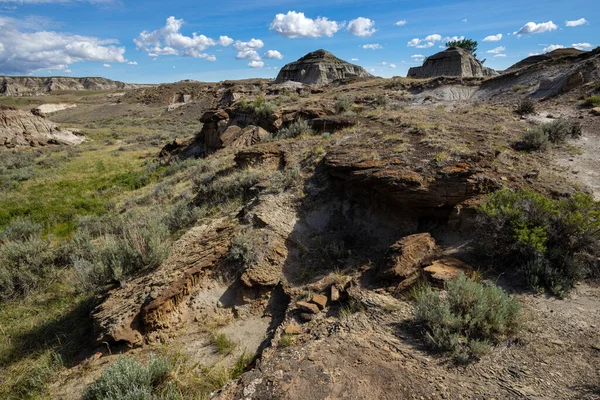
(28,85)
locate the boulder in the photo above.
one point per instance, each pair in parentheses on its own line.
(308,307)
(454,61)
(446,269)
(235,136)
(320,68)
(320,300)
(405,257)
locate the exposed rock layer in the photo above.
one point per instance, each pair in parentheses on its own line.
(27,85)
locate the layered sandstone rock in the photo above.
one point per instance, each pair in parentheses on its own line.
(406,256)
(454,61)
(320,68)
(22,128)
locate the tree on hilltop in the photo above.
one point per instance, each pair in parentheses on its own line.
(468,44)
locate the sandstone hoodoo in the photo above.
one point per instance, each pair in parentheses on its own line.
(454,61)
(21,128)
(320,68)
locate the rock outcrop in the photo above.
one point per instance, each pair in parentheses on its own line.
(28,85)
(320,68)
(454,61)
(22,128)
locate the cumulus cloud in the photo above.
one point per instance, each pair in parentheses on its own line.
(372,46)
(533,54)
(493,38)
(553,47)
(453,39)
(402,22)
(532,27)
(577,22)
(362,27)
(132,63)
(256,64)
(497,50)
(26,52)
(417,56)
(392,65)
(581,46)
(168,40)
(499,55)
(429,41)
(354,59)
(295,24)
(248,50)
(107,65)
(273,55)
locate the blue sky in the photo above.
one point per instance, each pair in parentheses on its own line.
(155,41)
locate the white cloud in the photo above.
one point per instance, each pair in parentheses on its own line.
(553,47)
(26,52)
(499,55)
(465,20)
(429,41)
(256,64)
(452,39)
(225,41)
(247,50)
(168,40)
(354,59)
(533,54)
(577,22)
(532,27)
(295,24)
(362,27)
(273,55)
(392,65)
(372,46)
(581,46)
(497,50)
(372,70)
(417,56)
(402,22)
(107,65)
(132,63)
(493,38)
(384,63)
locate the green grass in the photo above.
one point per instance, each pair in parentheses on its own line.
(592,101)
(83,185)
(223,344)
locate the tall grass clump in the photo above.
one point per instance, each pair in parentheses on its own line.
(551,243)
(343,105)
(526,106)
(592,101)
(127,379)
(467,319)
(260,108)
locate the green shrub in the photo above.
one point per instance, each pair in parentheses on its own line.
(592,101)
(552,243)
(468,320)
(181,215)
(295,129)
(127,379)
(25,257)
(121,248)
(260,108)
(218,189)
(541,136)
(525,106)
(223,344)
(343,105)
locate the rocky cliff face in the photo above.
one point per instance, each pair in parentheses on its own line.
(320,68)
(27,85)
(21,128)
(452,62)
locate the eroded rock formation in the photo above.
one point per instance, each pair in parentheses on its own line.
(22,128)
(454,61)
(320,68)
(28,85)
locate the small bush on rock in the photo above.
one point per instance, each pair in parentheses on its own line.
(468,319)
(343,105)
(261,108)
(592,101)
(295,129)
(552,243)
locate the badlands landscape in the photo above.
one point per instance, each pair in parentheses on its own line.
(326,234)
